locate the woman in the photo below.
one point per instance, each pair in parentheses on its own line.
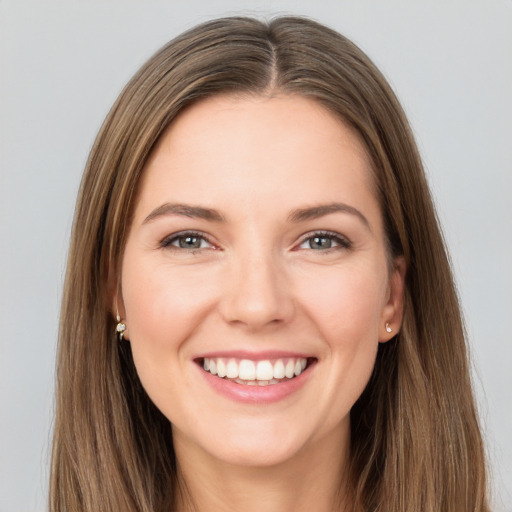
(259,312)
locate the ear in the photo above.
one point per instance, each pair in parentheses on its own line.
(392,312)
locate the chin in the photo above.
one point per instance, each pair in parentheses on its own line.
(247,444)
(251,454)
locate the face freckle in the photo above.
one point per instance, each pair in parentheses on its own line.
(257,237)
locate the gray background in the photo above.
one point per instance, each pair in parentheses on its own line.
(62,64)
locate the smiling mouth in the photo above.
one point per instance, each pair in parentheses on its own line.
(256,373)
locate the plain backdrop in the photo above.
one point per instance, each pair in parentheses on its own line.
(62,64)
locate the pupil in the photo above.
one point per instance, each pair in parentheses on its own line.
(188,242)
(320,242)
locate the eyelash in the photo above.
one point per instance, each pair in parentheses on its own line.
(167,242)
(340,241)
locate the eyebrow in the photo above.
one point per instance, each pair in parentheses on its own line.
(315,212)
(185,210)
(296,216)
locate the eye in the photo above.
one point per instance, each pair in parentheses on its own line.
(323,241)
(186,240)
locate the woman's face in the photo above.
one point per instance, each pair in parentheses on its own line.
(257,251)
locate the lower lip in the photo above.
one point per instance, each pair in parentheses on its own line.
(256,394)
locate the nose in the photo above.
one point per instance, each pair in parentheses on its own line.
(258,293)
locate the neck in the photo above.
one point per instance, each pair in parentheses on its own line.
(314,479)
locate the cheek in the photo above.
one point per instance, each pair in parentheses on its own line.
(162,307)
(161,302)
(346,309)
(346,304)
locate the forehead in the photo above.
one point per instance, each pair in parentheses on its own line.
(272,120)
(256,148)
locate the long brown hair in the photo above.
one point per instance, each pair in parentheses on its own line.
(415,440)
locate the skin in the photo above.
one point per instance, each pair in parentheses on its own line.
(257,282)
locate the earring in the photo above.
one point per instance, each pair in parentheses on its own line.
(120,327)
(388,328)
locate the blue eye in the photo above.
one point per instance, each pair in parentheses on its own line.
(324,242)
(186,240)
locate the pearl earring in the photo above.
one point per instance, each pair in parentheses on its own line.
(120,327)
(388,328)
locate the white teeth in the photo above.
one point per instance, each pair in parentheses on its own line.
(247,370)
(262,373)
(232,369)
(221,368)
(257,382)
(264,370)
(290,369)
(279,370)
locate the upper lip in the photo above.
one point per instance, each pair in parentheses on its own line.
(253,356)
